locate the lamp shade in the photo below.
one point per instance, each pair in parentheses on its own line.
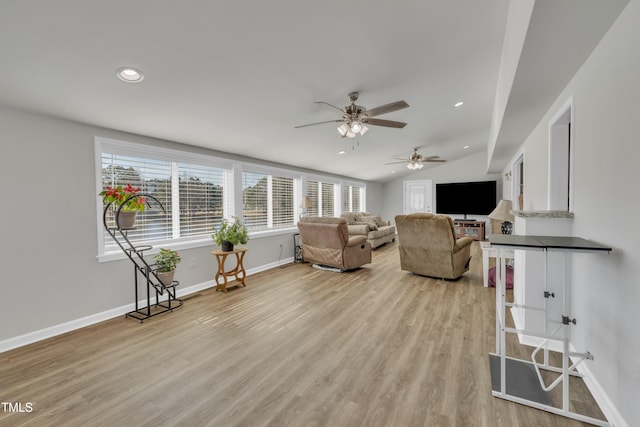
(306,202)
(502,212)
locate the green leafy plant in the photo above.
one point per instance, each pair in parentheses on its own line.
(126,196)
(234,232)
(166,260)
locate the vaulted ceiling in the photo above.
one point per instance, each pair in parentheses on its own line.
(239,76)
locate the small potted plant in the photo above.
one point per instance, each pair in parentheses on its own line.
(229,233)
(129,199)
(166,262)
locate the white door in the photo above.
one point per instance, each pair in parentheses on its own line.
(418,196)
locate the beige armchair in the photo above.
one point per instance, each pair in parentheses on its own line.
(325,241)
(428,246)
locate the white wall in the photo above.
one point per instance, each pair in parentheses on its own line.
(470,168)
(49,235)
(606,297)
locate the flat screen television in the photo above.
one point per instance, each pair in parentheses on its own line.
(466,198)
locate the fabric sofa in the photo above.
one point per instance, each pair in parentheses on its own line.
(428,246)
(375,229)
(326,241)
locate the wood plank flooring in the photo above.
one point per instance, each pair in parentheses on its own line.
(297,347)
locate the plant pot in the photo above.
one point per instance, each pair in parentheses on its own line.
(165,277)
(126,219)
(227,246)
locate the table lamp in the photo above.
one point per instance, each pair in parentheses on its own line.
(502,212)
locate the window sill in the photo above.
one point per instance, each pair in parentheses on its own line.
(176,246)
(192,244)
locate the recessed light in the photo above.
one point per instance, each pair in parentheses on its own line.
(393,171)
(466,146)
(129,75)
(342,152)
(458,104)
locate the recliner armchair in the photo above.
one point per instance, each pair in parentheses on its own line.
(428,246)
(325,241)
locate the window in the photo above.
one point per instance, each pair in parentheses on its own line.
(267,201)
(192,193)
(201,194)
(187,195)
(351,198)
(153,178)
(322,196)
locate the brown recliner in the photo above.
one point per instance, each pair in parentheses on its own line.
(325,241)
(428,246)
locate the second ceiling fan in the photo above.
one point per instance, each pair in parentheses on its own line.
(415,160)
(356,117)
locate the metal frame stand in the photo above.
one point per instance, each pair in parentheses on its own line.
(560,328)
(144,269)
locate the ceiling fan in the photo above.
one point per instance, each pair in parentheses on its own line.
(415,160)
(354,117)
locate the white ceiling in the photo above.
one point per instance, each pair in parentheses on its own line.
(238,76)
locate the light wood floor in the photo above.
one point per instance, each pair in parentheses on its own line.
(296,347)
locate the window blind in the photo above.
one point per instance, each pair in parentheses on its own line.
(351,197)
(255,200)
(323,198)
(328,199)
(267,201)
(201,194)
(313,193)
(153,177)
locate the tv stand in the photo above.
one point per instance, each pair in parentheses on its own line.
(469,228)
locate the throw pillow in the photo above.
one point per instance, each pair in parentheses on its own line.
(369,221)
(379,221)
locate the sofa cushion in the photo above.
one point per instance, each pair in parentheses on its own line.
(369,220)
(375,234)
(350,217)
(358,229)
(379,221)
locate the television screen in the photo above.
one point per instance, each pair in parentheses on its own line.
(466,198)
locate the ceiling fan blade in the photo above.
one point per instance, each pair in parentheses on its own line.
(433,160)
(387,108)
(395,163)
(319,123)
(329,106)
(385,123)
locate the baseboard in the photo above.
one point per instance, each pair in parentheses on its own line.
(52,331)
(602,399)
(609,410)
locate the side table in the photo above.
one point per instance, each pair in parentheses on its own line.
(297,248)
(238,271)
(490,252)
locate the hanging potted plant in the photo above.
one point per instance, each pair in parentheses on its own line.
(229,233)
(127,203)
(166,262)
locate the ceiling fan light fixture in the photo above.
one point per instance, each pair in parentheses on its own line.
(343,129)
(414,166)
(356,127)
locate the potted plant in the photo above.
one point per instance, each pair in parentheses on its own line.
(166,262)
(126,201)
(229,233)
